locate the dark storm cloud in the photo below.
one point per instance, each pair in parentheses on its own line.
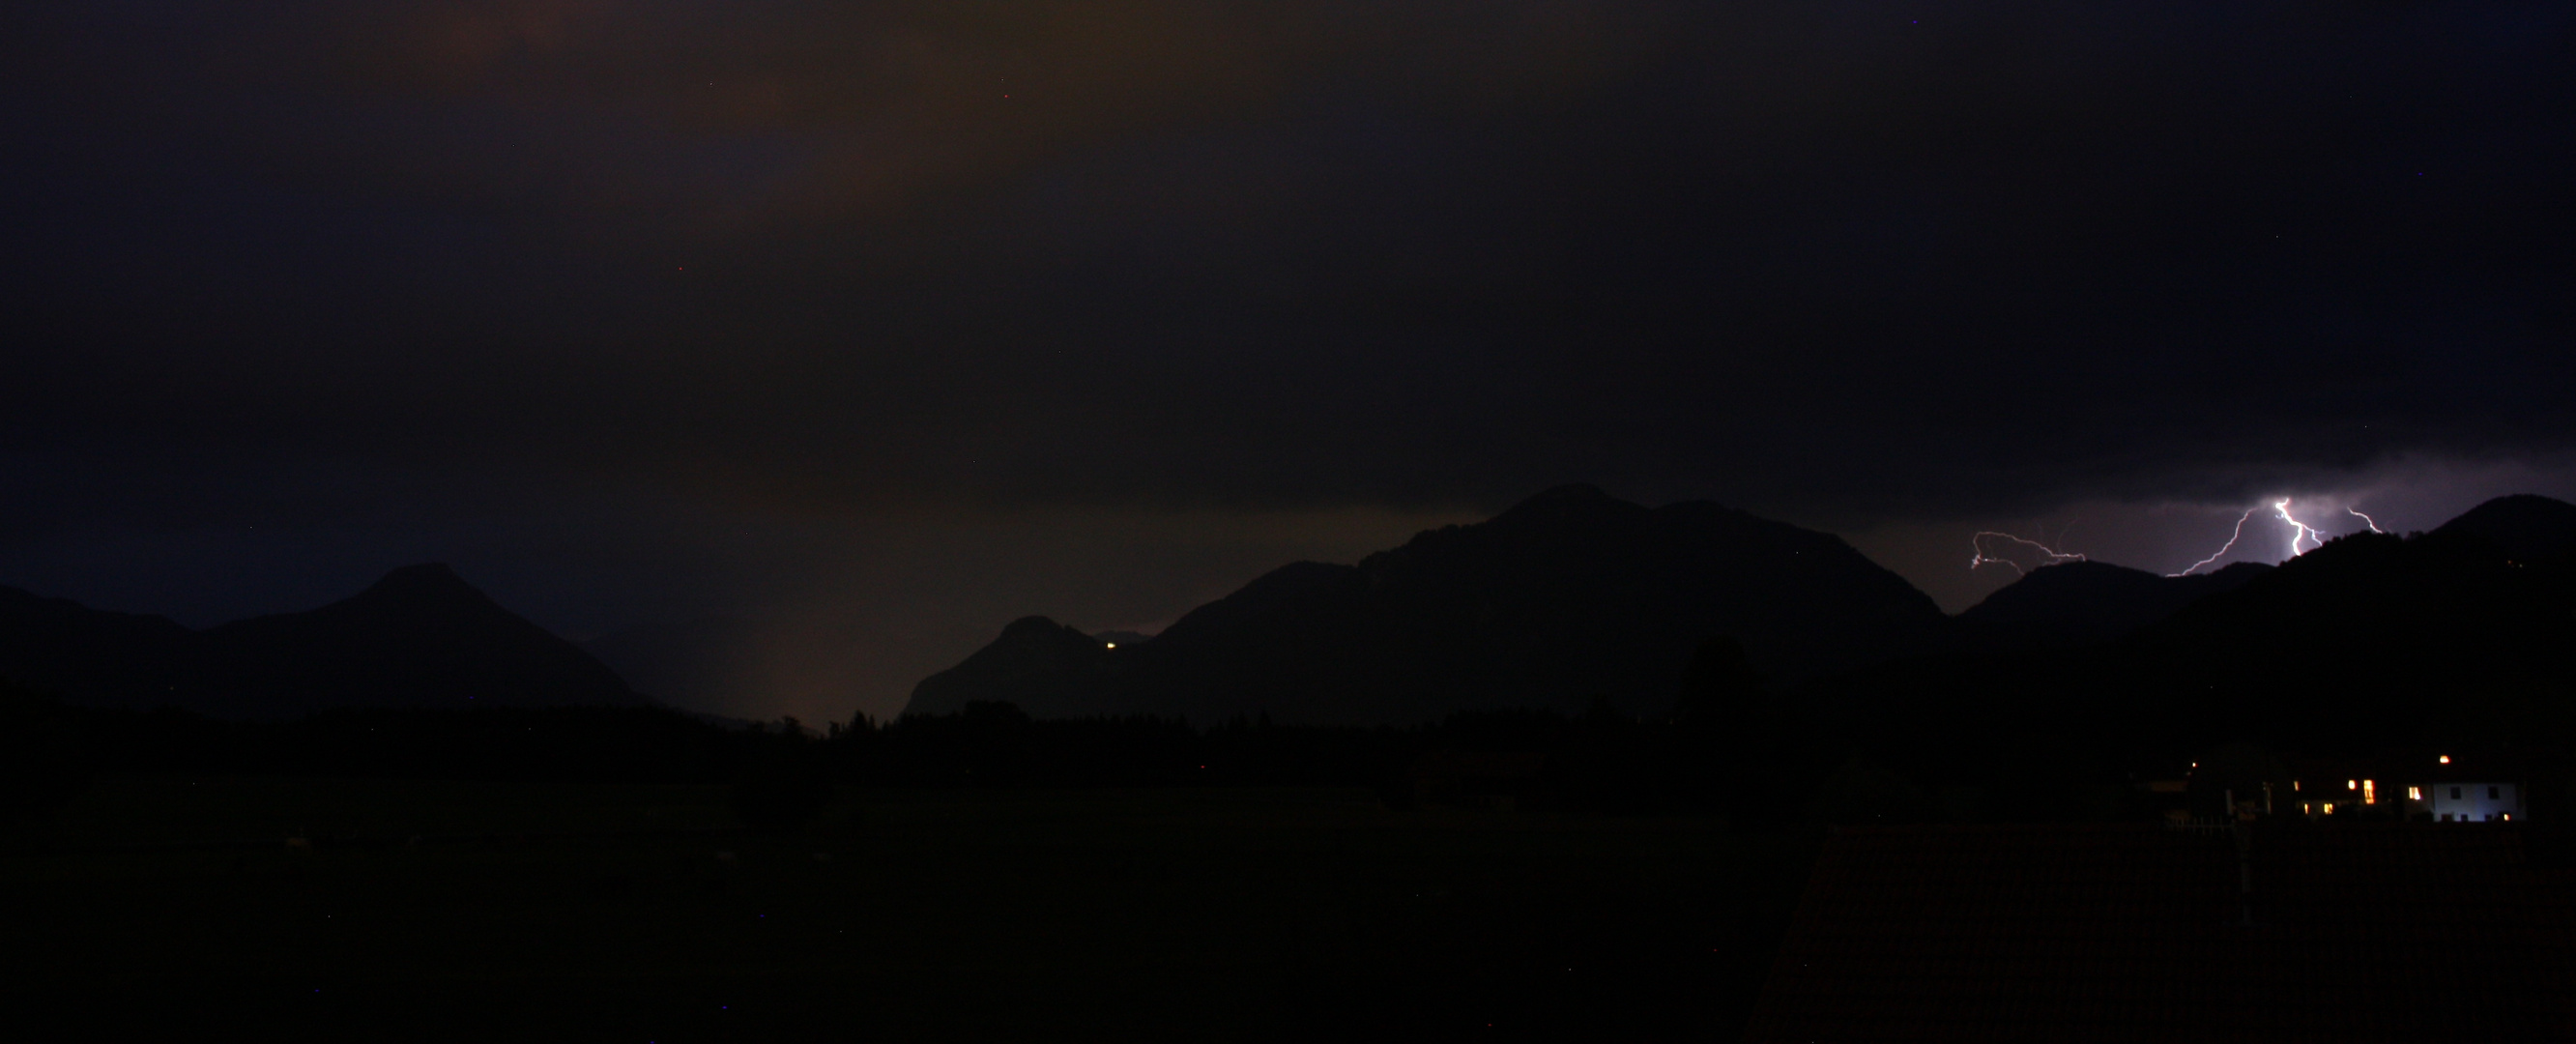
(479,275)
(1855,254)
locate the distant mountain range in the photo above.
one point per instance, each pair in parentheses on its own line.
(1570,600)
(1574,596)
(2077,603)
(1567,598)
(419,637)
(2372,643)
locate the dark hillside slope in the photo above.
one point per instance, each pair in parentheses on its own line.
(2374,640)
(697,665)
(2533,530)
(421,636)
(1568,597)
(1047,668)
(2370,643)
(2080,603)
(60,646)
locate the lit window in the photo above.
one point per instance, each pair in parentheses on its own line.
(2446,759)
(2414,793)
(2294,784)
(2330,808)
(2369,792)
(2508,817)
(2350,785)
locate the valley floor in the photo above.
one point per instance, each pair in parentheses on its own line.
(498,911)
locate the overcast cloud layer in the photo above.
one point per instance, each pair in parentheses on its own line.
(646,310)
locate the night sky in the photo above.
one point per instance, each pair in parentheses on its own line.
(874,325)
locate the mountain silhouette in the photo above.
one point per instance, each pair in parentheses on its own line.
(1569,597)
(2079,603)
(2372,642)
(1047,668)
(2375,638)
(421,636)
(2527,528)
(58,645)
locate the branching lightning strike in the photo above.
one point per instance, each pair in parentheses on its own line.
(2301,532)
(1979,557)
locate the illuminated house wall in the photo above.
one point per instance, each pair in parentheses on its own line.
(2469,802)
(2432,790)
(2462,801)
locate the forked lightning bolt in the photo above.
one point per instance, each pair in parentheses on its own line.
(1979,556)
(2301,532)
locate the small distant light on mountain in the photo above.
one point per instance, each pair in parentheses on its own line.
(2446,759)
(1113,645)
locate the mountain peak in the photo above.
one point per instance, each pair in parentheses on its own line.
(1569,595)
(1572,492)
(1567,503)
(1043,666)
(2525,526)
(420,636)
(423,576)
(1037,639)
(2076,603)
(431,587)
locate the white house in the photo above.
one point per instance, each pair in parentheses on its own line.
(2465,801)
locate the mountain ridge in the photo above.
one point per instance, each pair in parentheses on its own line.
(1565,598)
(418,636)
(2077,603)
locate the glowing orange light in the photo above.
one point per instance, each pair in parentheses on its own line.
(2350,785)
(2414,793)
(2369,793)
(1113,645)
(2329,808)
(2446,759)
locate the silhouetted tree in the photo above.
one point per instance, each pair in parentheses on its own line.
(1732,742)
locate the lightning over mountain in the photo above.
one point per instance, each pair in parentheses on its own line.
(1978,556)
(2224,548)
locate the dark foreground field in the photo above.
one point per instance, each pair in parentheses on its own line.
(582,912)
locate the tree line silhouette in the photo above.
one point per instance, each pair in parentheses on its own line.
(1600,760)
